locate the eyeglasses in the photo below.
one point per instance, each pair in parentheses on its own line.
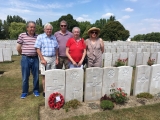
(63,25)
(94,32)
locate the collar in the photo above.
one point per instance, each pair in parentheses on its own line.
(45,35)
(29,35)
(62,33)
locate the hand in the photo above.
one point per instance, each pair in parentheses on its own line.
(80,63)
(74,63)
(44,62)
(57,61)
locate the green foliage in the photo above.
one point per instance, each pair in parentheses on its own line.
(105,97)
(71,104)
(15,29)
(39,22)
(71,22)
(118,95)
(56,26)
(114,30)
(145,95)
(121,62)
(150,37)
(39,29)
(84,26)
(106,104)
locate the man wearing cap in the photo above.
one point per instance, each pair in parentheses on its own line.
(95,48)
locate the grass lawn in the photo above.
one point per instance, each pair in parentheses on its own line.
(12,107)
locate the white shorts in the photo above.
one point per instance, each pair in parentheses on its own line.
(51,64)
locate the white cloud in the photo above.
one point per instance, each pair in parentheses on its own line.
(19,10)
(107,15)
(82,19)
(84,1)
(84,15)
(151,20)
(128,10)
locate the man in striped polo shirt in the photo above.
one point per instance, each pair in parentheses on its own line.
(29,61)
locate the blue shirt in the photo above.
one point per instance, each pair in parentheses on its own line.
(47,45)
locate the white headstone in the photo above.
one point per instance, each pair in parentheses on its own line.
(74,84)
(110,76)
(145,57)
(125,78)
(154,56)
(154,86)
(54,82)
(141,80)
(1,55)
(131,58)
(158,58)
(107,59)
(123,55)
(139,59)
(115,57)
(119,50)
(7,54)
(93,84)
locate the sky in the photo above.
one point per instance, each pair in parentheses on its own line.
(137,16)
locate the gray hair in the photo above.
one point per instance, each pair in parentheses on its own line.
(63,21)
(27,24)
(48,24)
(76,28)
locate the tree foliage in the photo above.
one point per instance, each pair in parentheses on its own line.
(71,22)
(15,29)
(149,37)
(114,30)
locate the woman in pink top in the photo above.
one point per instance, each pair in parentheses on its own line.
(94,47)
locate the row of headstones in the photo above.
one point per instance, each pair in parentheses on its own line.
(131,43)
(118,50)
(99,81)
(134,59)
(7,49)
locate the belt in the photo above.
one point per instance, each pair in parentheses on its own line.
(30,55)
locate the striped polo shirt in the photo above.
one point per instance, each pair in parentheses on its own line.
(27,43)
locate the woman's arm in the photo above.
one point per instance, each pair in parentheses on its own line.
(102,45)
(69,57)
(83,56)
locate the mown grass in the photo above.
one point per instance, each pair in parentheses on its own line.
(12,107)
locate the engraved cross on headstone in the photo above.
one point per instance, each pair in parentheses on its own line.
(157,79)
(94,84)
(142,80)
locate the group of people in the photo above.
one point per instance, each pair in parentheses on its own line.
(55,51)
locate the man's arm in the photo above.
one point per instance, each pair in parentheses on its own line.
(43,61)
(19,48)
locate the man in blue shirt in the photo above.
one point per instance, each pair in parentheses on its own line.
(47,49)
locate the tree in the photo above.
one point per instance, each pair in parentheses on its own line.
(83,26)
(15,29)
(2,36)
(39,22)
(55,25)
(71,22)
(100,23)
(114,30)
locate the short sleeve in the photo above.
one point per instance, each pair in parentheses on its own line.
(38,43)
(20,39)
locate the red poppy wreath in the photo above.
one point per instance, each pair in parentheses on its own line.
(56,101)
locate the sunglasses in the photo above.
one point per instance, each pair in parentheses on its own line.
(63,25)
(93,32)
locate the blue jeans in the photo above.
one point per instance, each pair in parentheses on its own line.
(30,64)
